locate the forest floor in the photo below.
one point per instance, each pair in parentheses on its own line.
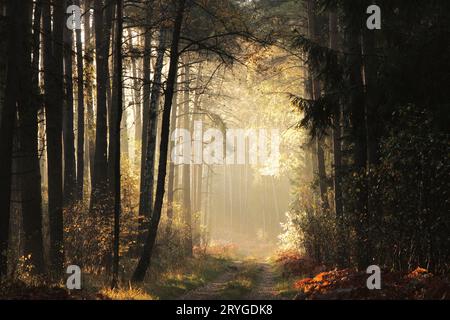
(248,280)
(225,276)
(162,283)
(223,273)
(302,279)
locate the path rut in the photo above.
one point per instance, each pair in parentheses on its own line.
(213,290)
(265,288)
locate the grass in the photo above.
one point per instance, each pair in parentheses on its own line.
(285,287)
(242,284)
(126,294)
(161,283)
(196,273)
(284,282)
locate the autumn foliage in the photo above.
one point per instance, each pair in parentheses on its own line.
(294,264)
(349,284)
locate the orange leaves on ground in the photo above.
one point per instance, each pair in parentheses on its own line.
(419,272)
(321,283)
(293,264)
(350,284)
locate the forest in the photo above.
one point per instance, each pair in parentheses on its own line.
(224,149)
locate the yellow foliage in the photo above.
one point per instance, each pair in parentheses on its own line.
(126,294)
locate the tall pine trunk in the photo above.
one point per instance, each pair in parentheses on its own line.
(358,134)
(54,100)
(147,87)
(80,121)
(172,179)
(16,13)
(373,133)
(116,142)
(147,177)
(144,261)
(111,94)
(198,185)
(337,152)
(103,24)
(137,100)
(89,73)
(30,176)
(68,127)
(187,206)
(316,92)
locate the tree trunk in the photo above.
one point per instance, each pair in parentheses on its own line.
(322,174)
(198,167)
(103,24)
(54,100)
(144,262)
(89,73)
(3,55)
(147,177)
(136,93)
(373,132)
(371,97)
(68,129)
(337,153)
(111,94)
(187,206)
(80,132)
(321,171)
(30,176)
(359,136)
(16,13)
(146,92)
(116,142)
(171,183)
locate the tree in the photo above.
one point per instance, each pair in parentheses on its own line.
(316,93)
(187,206)
(337,148)
(144,261)
(357,115)
(147,178)
(103,24)
(374,123)
(54,100)
(111,93)
(80,122)
(117,202)
(89,75)
(68,128)
(198,168)
(30,176)
(147,87)
(171,178)
(16,15)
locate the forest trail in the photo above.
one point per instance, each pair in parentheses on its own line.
(266,286)
(263,288)
(213,290)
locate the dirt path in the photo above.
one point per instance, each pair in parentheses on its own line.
(213,290)
(264,288)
